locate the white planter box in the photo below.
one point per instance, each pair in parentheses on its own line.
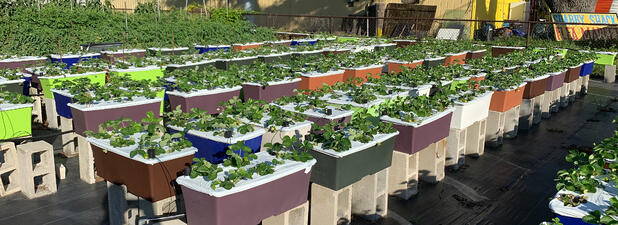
(468,113)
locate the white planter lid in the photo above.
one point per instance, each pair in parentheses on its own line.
(479,51)
(337,114)
(168,49)
(189,63)
(485,96)
(126,151)
(509,47)
(285,81)
(235,138)
(124,51)
(318,74)
(212,46)
(537,78)
(250,43)
(292,127)
(356,146)
(136,69)
(364,67)
(276,54)
(203,92)
(515,88)
(70,75)
(573,67)
(423,121)
(310,52)
(435,58)
(3,81)
(58,56)
(238,59)
(596,201)
(200,184)
(113,105)
(7,107)
(607,53)
(453,54)
(23,58)
(404,62)
(347,100)
(279,41)
(62,92)
(385,45)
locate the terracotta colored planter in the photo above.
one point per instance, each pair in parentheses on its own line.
(112,56)
(363,72)
(398,66)
(225,64)
(504,100)
(476,54)
(168,51)
(501,50)
(414,137)
(257,199)
(478,77)
(312,81)
(336,170)
(572,74)
(455,58)
(87,117)
(555,81)
(208,100)
(21,62)
(153,181)
(404,43)
(240,47)
(535,87)
(432,62)
(273,91)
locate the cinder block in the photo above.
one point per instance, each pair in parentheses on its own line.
(370,197)
(455,153)
(610,74)
(36,169)
(403,175)
(126,208)
(51,114)
(86,160)
(9,175)
(330,207)
(475,138)
(37,111)
(295,216)
(431,162)
(69,140)
(511,124)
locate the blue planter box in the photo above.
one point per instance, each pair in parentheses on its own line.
(571,221)
(210,48)
(303,42)
(27,82)
(62,107)
(586,69)
(213,148)
(71,60)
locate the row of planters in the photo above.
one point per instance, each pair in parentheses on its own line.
(587,193)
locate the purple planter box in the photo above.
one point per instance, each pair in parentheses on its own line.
(273,91)
(247,203)
(322,119)
(208,100)
(414,137)
(21,62)
(87,117)
(555,81)
(112,56)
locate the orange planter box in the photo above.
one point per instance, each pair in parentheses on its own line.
(398,66)
(313,81)
(363,72)
(240,47)
(455,58)
(502,101)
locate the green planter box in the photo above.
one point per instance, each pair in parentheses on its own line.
(49,83)
(142,73)
(15,120)
(605,58)
(336,170)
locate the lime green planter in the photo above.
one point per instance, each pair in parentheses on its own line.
(49,83)
(144,73)
(16,121)
(346,39)
(605,58)
(161,94)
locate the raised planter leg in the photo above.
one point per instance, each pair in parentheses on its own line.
(68,139)
(37,111)
(455,154)
(330,207)
(564,95)
(403,175)
(511,124)
(585,82)
(537,111)
(610,74)
(370,197)
(546,105)
(526,114)
(295,216)
(475,138)
(431,162)
(126,208)
(495,128)
(86,160)
(51,114)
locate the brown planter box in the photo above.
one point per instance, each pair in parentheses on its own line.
(21,62)
(112,56)
(535,87)
(208,100)
(398,66)
(89,118)
(404,43)
(455,58)
(153,179)
(269,93)
(572,74)
(501,50)
(476,54)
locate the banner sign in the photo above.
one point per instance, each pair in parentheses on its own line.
(578,32)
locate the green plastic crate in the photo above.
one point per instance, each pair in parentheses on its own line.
(152,74)
(49,83)
(15,123)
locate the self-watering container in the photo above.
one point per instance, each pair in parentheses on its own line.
(72,59)
(394,66)
(225,64)
(467,113)
(315,80)
(273,90)
(208,100)
(168,51)
(416,136)
(15,120)
(555,80)
(503,100)
(113,56)
(139,73)
(209,48)
(535,86)
(21,62)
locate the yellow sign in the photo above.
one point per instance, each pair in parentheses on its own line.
(579,32)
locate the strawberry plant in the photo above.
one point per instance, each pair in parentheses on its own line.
(10,74)
(291,148)
(221,125)
(209,78)
(14,98)
(119,89)
(414,109)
